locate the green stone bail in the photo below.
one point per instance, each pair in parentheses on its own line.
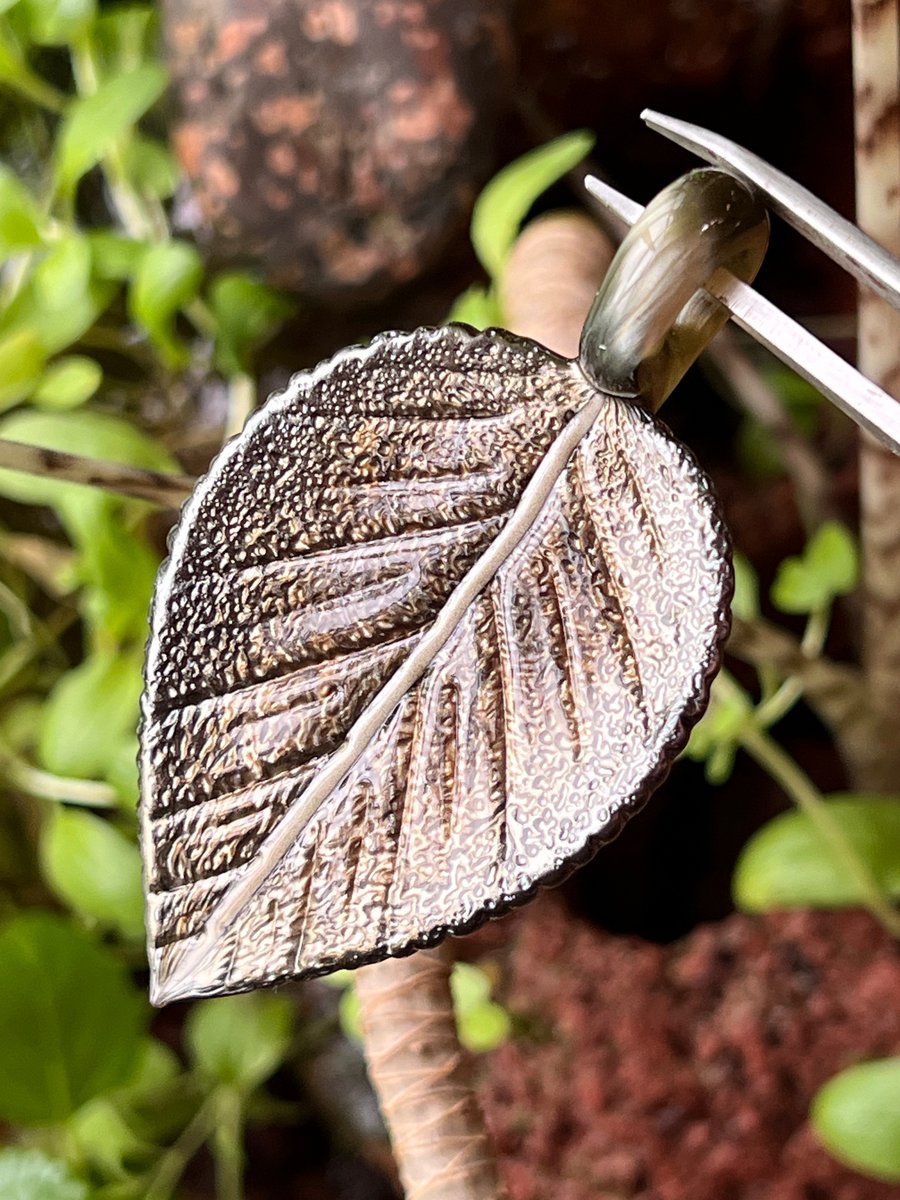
(651,318)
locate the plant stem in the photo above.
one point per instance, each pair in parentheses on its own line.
(173,1162)
(783,699)
(86,793)
(168,490)
(876,73)
(769,755)
(228,1144)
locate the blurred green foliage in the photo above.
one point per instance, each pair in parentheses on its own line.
(100,307)
(833,851)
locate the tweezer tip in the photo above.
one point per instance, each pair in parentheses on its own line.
(673,127)
(657,119)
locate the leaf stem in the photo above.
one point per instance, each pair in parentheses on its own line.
(764,750)
(88,793)
(228,1144)
(786,695)
(174,1161)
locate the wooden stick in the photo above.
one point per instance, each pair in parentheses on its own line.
(876,72)
(170,491)
(551,279)
(423,1079)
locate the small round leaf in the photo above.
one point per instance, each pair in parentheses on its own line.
(94,869)
(788,864)
(857,1117)
(240,1040)
(69,382)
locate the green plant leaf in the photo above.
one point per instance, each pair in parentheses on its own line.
(484,1028)
(22,358)
(32,1175)
(16,73)
(857,1117)
(247,315)
(119,569)
(348,1015)
(20,217)
(94,868)
(92,123)
(55,22)
(828,567)
(61,299)
(833,557)
(477,306)
(482,1024)
(714,739)
(788,864)
(167,277)
(504,203)
(151,166)
(116,566)
(115,257)
(746,589)
(101,1136)
(239,1040)
(68,382)
(122,772)
(115,1133)
(63,275)
(125,36)
(71,1019)
(54,323)
(158,1067)
(89,712)
(470,987)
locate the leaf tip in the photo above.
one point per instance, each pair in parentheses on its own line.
(183,972)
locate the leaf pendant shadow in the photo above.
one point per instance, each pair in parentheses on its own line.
(432,627)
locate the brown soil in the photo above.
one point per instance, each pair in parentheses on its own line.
(685,1072)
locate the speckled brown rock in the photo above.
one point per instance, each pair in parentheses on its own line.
(336,144)
(686,1072)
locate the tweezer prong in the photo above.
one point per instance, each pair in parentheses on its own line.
(841,240)
(858,397)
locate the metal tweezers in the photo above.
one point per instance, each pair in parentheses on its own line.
(861,399)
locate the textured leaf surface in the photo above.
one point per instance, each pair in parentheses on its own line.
(314,559)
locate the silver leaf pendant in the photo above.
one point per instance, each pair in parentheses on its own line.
(432,628)
(310,562)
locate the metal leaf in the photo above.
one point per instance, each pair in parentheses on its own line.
(431,628)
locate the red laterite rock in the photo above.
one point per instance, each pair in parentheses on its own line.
(685,1072)
(336,144)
